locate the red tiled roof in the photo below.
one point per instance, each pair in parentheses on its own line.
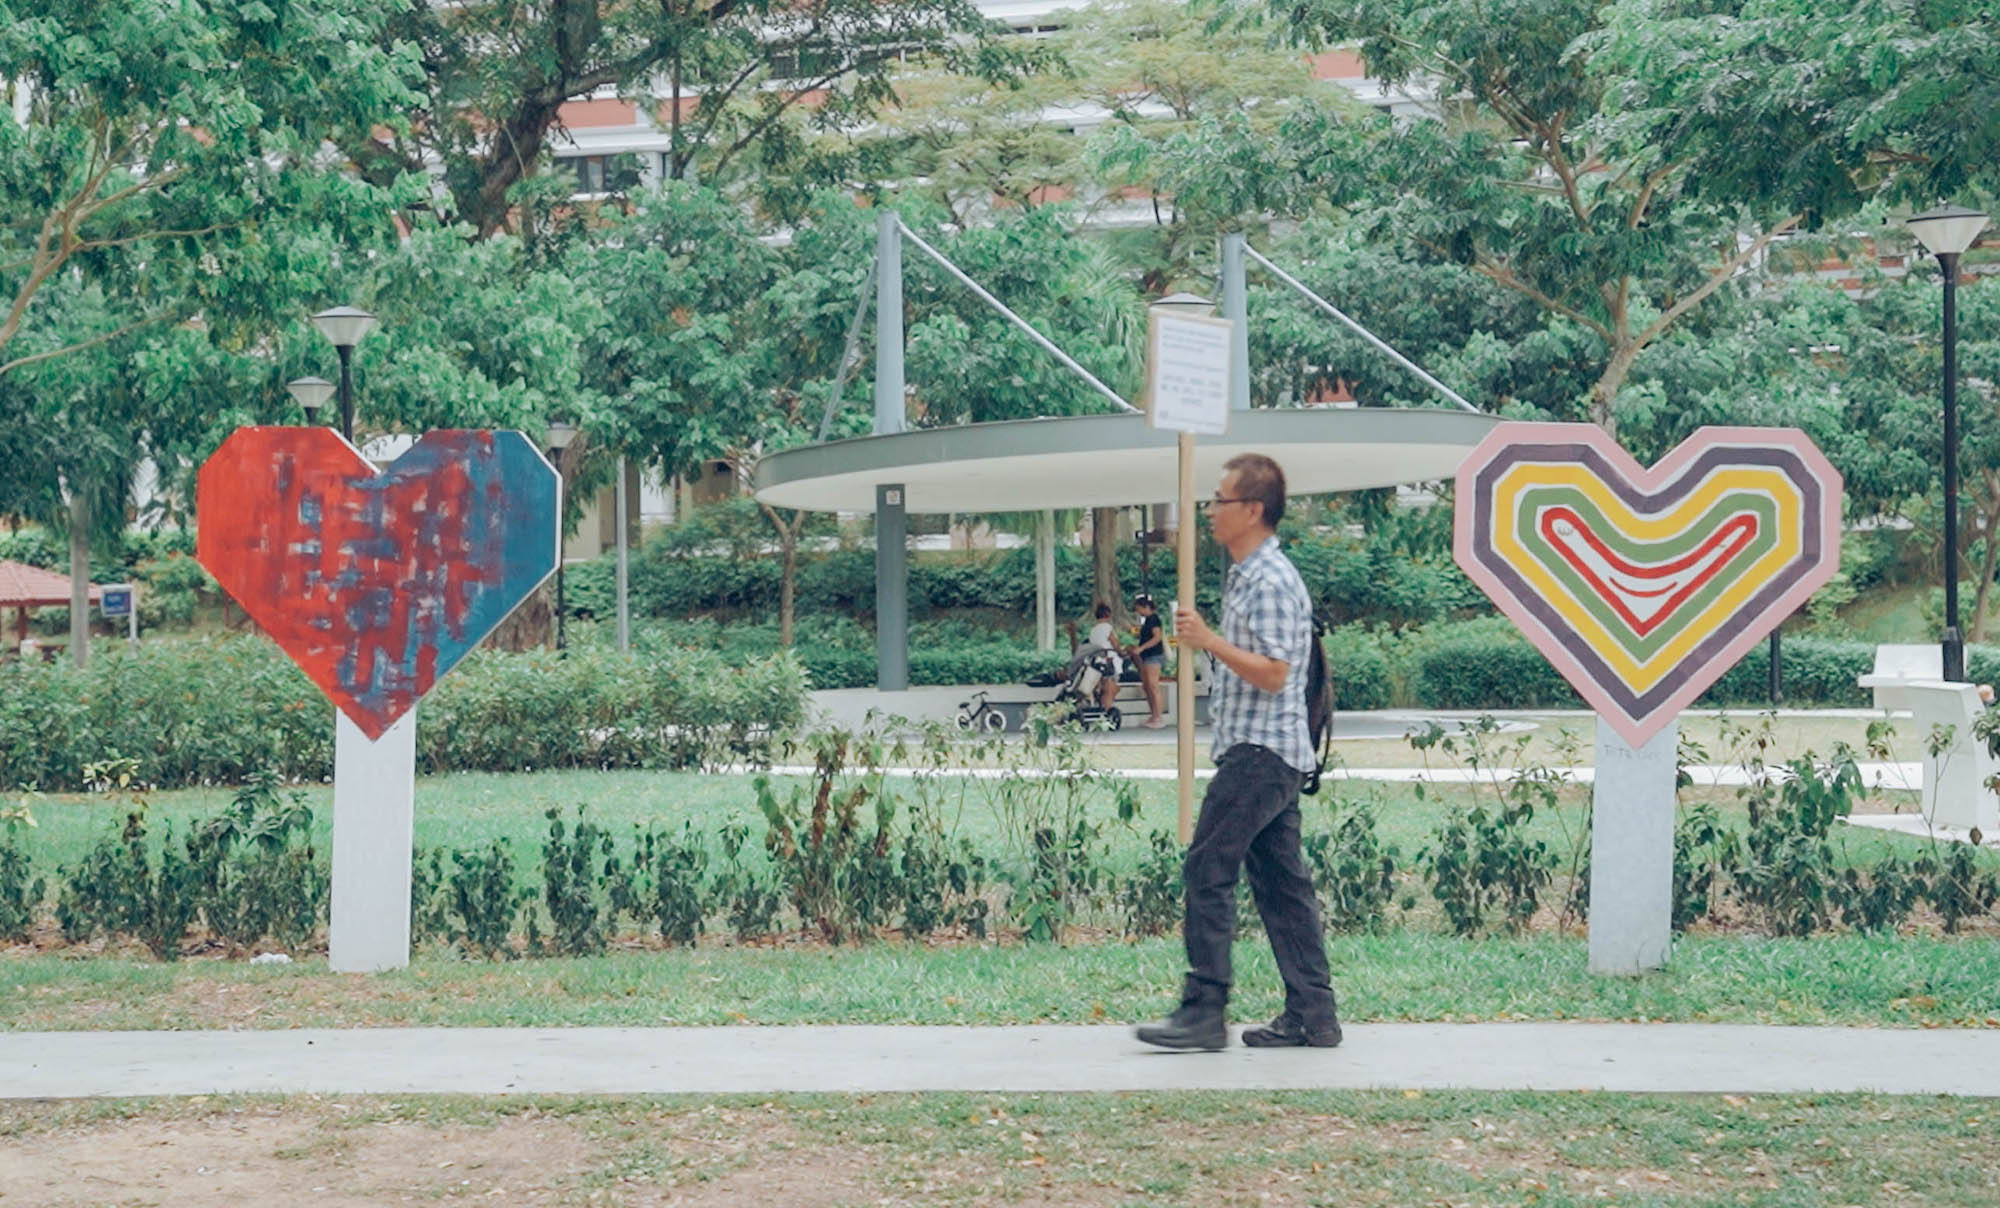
(21,584)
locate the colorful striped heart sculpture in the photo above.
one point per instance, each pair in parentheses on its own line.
(1643,586)
(377,582)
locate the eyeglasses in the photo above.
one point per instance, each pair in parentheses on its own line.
(1219,500)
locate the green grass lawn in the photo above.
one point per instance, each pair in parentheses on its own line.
(1334,1149)
(1403,975)
(465,810)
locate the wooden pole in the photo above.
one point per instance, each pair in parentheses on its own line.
(1184,658)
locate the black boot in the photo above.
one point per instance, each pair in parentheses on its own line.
(1287,1031)
(1202,1022)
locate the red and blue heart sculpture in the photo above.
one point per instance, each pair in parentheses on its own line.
(377,582)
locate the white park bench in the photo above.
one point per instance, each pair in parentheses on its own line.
(1896,668)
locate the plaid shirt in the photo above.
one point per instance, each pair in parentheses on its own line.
(1265,610)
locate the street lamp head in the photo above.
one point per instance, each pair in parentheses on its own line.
(561,432)
(311,394)
(344,325)
(1947,230)
(1185,304)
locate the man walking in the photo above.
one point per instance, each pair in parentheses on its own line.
(1250,814)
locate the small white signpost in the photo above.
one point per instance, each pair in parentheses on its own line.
(121,600)
(1187,369)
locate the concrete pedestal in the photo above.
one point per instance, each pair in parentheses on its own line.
(1632,853)
(1955,777)
(374,799)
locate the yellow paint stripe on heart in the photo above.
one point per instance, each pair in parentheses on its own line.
(1726,481)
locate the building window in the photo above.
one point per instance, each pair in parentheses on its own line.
(617,173)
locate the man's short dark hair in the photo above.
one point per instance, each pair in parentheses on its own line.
(1261,479)
(1104,612)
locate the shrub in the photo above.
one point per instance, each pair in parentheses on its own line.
(1150,898)
(203,711)
(570,883)
(1787,874)
(1353,870)
(1485,664)
(1816,671)
(20,897)
(839,877)
(482,900)
(1703,849)
(1961,886)
(259,874)
(120,889)
(1362,678)
(215,710)
(676,867)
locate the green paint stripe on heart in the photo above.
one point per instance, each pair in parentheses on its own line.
(1614,625)
(1533,499)
(1644,648)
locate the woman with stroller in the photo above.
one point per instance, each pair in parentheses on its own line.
(1104,637)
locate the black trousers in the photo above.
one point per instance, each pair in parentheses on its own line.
(1250,821)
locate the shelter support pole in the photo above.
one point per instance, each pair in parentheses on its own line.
(1632,852)
(1045,580)
(1184,658)
(892,590)
(79,579)
(1236,305)
(888,323)
(374,800)
(624,564)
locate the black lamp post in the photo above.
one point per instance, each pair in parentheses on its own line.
(561,432)
(311,393)
(1946,232)
(344,326)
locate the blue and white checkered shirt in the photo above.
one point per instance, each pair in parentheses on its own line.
(1265,610)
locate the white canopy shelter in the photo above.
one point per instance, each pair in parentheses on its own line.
(1114,460)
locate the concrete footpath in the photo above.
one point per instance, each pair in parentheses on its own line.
(761,1060)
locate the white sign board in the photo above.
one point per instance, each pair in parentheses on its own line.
(1188,363)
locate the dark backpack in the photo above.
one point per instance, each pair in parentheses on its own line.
(1319,706)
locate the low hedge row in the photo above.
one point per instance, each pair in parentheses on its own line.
(1483,663)
(1351,581)
(214,711)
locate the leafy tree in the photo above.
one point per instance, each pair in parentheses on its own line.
(1827,102)
(1487,342)
(978,146)
(143,189)
(1524,178)
(157,176)
(1191,104)
(739,76)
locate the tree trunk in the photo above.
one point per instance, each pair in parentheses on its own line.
(788,547)
(79,580)
(1989,521)
(1104,562)
(530,626)
(1605,392)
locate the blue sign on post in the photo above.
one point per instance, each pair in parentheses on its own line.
(115,602)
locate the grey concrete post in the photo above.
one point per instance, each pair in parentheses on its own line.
(892,590)
(1236,306)
(1632,852)
(374,810)
(1045,580)
(888,323)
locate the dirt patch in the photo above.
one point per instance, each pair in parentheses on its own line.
(273,1158)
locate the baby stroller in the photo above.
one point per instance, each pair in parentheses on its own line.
(1081,686)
